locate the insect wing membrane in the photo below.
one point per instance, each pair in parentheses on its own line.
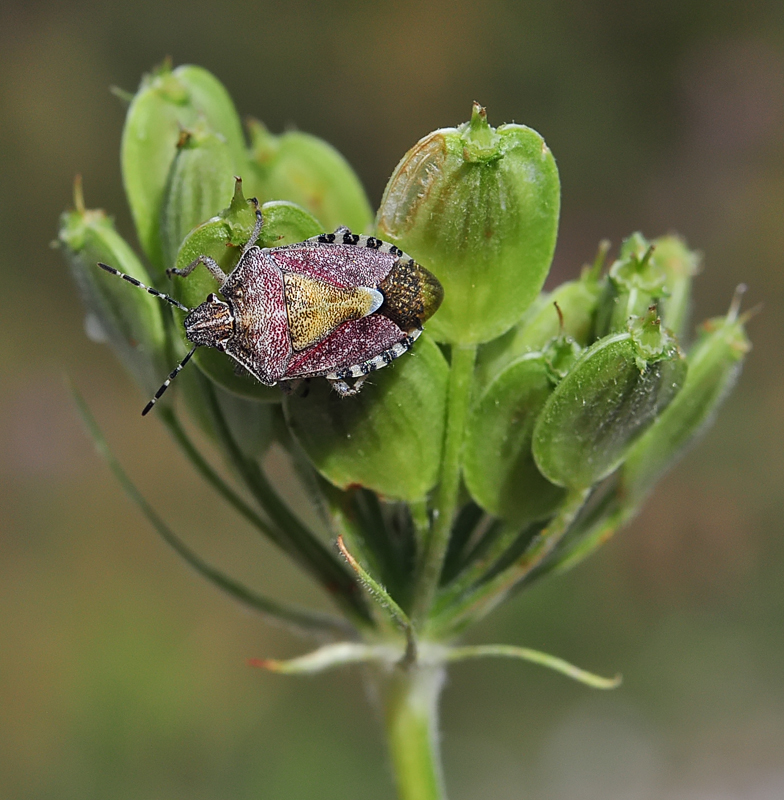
(344,265)
(353,343)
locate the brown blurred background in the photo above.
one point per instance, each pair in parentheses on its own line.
(122,675)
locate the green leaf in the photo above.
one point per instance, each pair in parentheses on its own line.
(389,437)
(478,207)
(498,465)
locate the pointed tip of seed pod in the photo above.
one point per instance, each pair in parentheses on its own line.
(733,316)
(480,140)
(560,318)
(751,313)
(595,270)
(78,193)
(238,201)
(122,94)
(184,138)
(737,299)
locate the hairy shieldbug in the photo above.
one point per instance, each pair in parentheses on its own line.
(338,305)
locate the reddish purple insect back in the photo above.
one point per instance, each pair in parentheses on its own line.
(338,305)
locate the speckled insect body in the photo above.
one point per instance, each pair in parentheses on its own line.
(339,305)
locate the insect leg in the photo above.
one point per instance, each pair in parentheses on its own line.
(344,390)
(208,262)
(256,228)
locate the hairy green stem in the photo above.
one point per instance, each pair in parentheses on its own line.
(445,505)
(478,602)
(421,520)
(479,562)
(411,718)
(590,541)
(535,657)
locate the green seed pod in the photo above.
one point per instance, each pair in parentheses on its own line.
(222,238)
(635,282)
(196,189)
(680,265)
(560,355)
(478,207)
(168,102)
(130,321)
(714,364)
(388,438)
(608,399)
(576,301)
(659,272)
(308,171)
(498,465)
(569,309)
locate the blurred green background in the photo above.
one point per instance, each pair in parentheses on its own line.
(122,675)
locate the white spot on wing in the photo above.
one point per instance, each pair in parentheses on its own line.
(378,299)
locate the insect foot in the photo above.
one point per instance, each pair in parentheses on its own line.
(337,305)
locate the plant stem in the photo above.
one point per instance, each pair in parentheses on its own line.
(421,520)
(444,508)
(287,531)
(596,536)
(307,621)
(170,420)
(411,717)
(485,597)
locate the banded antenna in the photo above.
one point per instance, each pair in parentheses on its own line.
(165,385)
(154,292)
(161,296)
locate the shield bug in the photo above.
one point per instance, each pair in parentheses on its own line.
(338,305)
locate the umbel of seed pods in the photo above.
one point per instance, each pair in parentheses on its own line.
(338,305)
